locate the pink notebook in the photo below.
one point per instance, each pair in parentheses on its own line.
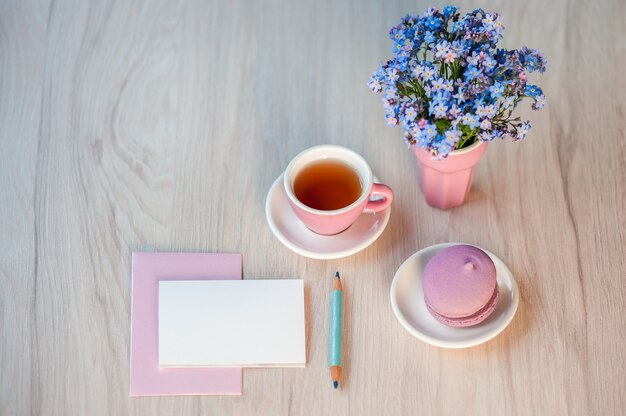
(146,378)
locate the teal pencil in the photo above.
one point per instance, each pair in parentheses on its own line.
(336,321)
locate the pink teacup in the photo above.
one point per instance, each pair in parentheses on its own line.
(334,221)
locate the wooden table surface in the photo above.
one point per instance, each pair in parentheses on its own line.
(161,125)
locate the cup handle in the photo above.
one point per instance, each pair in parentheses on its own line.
(379,204)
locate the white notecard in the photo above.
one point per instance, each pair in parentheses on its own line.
(236,323)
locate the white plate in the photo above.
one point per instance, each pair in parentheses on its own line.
(295,236)
(407,301)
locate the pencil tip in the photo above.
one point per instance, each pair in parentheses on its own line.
(337,275)
(336,383)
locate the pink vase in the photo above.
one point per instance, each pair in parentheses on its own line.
(445,183)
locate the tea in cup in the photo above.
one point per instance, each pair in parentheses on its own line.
(330,186)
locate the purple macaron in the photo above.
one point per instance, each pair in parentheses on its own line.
(460,287)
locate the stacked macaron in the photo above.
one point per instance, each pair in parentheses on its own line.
(460,287)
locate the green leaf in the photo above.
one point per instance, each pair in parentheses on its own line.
(442,125)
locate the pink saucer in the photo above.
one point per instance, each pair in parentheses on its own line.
(291,232)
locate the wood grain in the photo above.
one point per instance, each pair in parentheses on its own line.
(161,125)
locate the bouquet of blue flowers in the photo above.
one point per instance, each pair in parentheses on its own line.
(448,85)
